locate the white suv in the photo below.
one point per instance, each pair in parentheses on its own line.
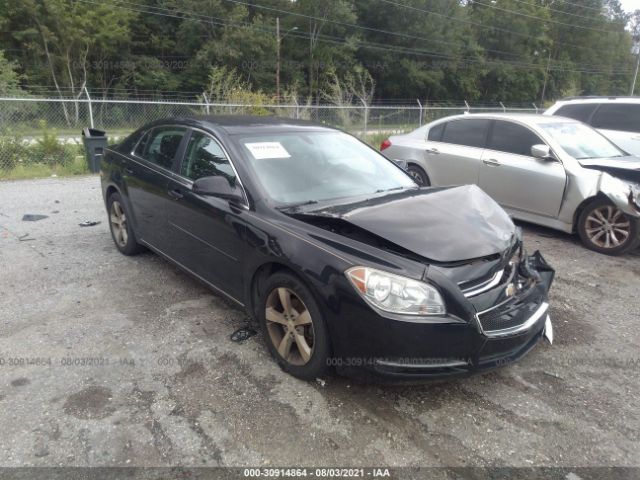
(617,118)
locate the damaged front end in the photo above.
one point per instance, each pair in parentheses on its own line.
(495,296)
(624,194)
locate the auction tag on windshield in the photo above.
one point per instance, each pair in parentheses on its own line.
(261,150)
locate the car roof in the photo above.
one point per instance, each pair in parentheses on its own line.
(236,124)
(597,99)
(530,118)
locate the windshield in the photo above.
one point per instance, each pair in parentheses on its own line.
(308,167)
(581,141)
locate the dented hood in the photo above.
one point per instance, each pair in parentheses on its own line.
(444,225)
(626,168)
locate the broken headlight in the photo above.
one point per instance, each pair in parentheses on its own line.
(396,294)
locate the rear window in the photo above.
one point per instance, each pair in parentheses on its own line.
(471,132)
(618,116)
(578,111)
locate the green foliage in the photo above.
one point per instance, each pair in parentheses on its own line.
(24,158)
(478,50)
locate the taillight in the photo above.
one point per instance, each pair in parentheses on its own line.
(385,144)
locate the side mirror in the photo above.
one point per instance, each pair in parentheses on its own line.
(542,152)
(217,186)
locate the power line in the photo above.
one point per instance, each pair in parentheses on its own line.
(560,11)
(342,41)
(540,19)
(478,24)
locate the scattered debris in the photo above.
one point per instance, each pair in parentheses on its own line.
(89,223)
(33,217)
(25,238)
(243,334)
(552,374)
(321,382)
(55,211)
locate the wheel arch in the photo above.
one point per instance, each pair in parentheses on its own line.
(583,205)
(264,271)
(414,163)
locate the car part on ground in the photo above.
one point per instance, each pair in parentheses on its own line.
(540,169)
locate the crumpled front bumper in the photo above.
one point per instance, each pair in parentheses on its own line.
(445,347)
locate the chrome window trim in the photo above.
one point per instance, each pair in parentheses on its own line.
(180,178)
(245,204)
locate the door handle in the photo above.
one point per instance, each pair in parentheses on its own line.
(492,162)
(433,151)
(176,194)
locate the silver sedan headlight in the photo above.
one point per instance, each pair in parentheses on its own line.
(396,294)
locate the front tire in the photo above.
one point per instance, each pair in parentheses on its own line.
(121,230)
(418,175)
(605,228)
(293,327)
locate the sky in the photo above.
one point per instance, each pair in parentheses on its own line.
(630,5)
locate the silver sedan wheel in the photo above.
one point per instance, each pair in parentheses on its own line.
(290,326)
(607,227)
(118,224)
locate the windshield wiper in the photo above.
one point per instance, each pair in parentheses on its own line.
(382,190)
(295,206)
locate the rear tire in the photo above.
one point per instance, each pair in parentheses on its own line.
(120,225)
(293,328)
(418,175)
(604,228)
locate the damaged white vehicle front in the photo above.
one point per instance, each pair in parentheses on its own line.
(602,195)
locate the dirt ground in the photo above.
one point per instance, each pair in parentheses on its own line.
(125,361)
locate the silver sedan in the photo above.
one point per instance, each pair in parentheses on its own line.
(552,171)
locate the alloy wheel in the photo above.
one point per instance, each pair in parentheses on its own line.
(607,227)
(118,224)
(290,326)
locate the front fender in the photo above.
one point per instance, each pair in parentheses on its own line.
(624,195)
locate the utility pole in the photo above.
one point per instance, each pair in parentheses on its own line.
(278,59)
(278,43)
(635,50)
(546,77)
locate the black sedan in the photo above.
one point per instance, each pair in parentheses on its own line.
(341,258)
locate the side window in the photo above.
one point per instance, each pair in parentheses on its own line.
(160,145)
(577,111)
(618,116)
(513,138)
(435,132)
(142,145)
(471,132)
(205,158)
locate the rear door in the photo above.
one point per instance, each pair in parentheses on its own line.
(620,123)
(454,151)
(516,179)
(206,232)
(147,178)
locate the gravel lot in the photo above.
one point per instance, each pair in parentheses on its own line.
(166,386)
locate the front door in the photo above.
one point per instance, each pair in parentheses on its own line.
(516,179)
(206,232)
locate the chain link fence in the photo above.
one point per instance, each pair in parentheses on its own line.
(42,136)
